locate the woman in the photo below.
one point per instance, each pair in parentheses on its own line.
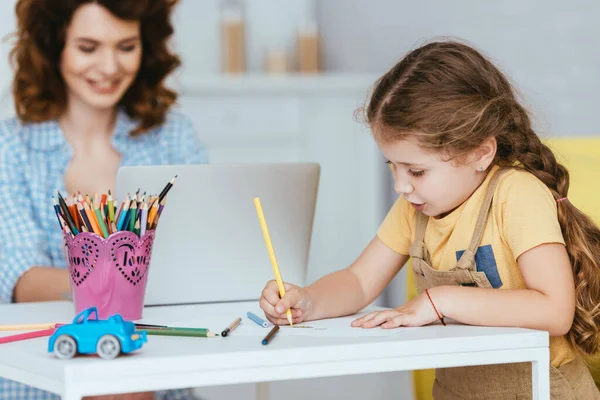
(89,96)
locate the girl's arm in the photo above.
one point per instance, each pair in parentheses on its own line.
(547,304)
(349,290)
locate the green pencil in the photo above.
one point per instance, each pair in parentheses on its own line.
(101,222)
(180,332)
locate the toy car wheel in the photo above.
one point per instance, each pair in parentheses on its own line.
(108,347)
(65,347)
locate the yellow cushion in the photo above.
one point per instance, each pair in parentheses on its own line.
(581,156)
(582,159)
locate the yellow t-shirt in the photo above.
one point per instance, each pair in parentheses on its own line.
(523,216)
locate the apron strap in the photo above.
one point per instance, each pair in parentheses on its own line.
(417,248)
(467,259)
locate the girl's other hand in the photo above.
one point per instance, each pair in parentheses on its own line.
(416,312)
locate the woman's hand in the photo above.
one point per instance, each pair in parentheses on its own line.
(417,312)
(296,299)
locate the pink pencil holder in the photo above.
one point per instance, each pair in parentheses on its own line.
(110,274)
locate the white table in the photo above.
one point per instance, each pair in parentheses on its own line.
(331,348)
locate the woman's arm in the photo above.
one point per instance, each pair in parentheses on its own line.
(547,304)
(184,142)
(42,284)
(22,240)
(349,290)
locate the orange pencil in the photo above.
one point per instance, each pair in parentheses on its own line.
(152,214)
(92,217)
(160,209)
(73,211)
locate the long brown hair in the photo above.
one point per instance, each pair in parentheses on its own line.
(39,91)
(451,98)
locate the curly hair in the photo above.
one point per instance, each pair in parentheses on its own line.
(38,88)
(451,98)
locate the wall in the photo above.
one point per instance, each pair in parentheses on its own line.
(548,47)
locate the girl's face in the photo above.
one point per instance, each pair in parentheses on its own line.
(101,57)
(431,184)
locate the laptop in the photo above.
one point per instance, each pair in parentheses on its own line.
(209,245)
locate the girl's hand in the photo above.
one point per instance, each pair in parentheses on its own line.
(417,312)
(296,299)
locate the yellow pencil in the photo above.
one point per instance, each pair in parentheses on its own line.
(27,327)
(271,251)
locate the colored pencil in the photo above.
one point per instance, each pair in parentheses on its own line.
(122,214)
(166,189)
(66,214)
(144,219)
(92,218)
(28,335)
(270,335)
(152,214)
(132,217)
(111,208)
(27,327)
(180,332)
(271,251)
(159,213)
(84,218)
(102,215)
(144,326)
(100,220)
(56,209)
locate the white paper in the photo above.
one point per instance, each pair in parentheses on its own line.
(334,327)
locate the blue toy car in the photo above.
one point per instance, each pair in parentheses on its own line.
(90,335)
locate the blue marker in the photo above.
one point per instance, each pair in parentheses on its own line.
(257,319)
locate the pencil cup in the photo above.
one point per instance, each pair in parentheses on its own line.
(110,274)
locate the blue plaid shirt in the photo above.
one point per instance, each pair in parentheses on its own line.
(33,161)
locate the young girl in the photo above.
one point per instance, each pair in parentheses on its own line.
(89,96)
(483,206)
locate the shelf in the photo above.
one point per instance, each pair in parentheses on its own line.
(257,84)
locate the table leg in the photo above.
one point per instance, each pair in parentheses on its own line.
(540,376)
(262,391)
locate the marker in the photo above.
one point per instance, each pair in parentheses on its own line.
(270,335)
(257,319)
(231,327)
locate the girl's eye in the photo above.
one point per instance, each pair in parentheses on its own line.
(416,174)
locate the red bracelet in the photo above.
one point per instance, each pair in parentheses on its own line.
(436,311)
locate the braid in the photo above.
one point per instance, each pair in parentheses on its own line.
(582,236)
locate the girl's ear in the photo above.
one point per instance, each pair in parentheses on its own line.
(484,154)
